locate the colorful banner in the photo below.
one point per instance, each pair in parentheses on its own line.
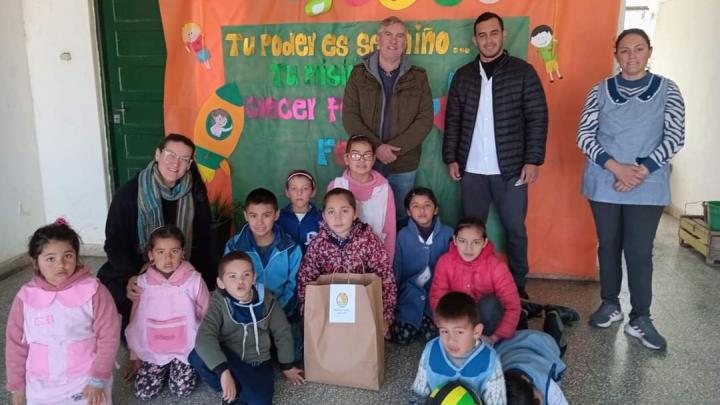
(260,90)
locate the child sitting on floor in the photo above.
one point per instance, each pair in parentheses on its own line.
(419,246)
(459,354)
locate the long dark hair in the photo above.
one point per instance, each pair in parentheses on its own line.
(57,231)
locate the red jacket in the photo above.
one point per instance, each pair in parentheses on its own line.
(478,278)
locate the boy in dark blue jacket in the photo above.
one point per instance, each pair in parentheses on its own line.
(418,247)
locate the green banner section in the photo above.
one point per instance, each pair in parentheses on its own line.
(292,77)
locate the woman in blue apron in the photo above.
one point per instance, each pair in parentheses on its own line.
(630,127)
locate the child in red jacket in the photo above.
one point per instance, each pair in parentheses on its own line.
(470,266)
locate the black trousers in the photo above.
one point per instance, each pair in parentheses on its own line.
(511,202)
(629,230)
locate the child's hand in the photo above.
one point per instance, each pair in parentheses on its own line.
(132,370)
(228,386)
(133,291)
(295,375)
(18,398)
(93,395)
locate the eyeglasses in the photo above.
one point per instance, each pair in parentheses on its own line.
(356,156)
(173,157)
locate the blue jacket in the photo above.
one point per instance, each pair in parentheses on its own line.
(475,372)
(280,273)
(536,355)
(302,232)
(412,257)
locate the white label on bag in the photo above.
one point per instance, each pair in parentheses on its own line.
(342,303)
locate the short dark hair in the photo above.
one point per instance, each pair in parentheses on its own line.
(457,305)
(359,139)
(339,191)
(540,29)
(165,232)
(57,231)
(519,390)
(470,222)
(420,191)
(299,173)
(231,257)
(488,16)
(636,31)
(261,196)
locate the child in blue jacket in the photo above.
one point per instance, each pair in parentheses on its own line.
(300,219)
(418,247)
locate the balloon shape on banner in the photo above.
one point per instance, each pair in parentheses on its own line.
(218,127)
(397,4)
(356,2)
(489,1)
(193,40)
(317,7)
(448,3)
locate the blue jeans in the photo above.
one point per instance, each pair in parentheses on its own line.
(401,184)
(254,382)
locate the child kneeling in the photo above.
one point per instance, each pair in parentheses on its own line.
(459,354)
(232,349)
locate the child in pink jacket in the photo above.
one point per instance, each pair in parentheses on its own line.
(470,266)
(63,331)
(165,319)
(376,204)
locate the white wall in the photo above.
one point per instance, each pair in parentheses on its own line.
(21,186)
(68,112)
(685,50)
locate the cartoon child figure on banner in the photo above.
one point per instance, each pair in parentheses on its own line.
(218,127)
(542,39)
(193,39)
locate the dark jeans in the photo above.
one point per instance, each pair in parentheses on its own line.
(254,382)
(511,202)
(118,290)
(628,229)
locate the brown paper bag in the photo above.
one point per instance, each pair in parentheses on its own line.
(347,354)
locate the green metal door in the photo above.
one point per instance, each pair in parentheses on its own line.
(133,54)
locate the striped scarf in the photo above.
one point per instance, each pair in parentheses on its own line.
(151,192)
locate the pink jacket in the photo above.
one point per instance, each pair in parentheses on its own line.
(76,321)
(478,278)
(361,253)
(165,320)
(376,205)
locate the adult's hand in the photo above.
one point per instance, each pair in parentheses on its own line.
(454,171)
(133,289)
(629,175)
(386,153)
(529,173)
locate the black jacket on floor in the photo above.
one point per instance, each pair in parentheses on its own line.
(519,110)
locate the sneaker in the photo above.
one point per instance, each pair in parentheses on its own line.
(643,329)
(534,310)
(606,315)
(523,294)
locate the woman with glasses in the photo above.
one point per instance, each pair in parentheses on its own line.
(169,191)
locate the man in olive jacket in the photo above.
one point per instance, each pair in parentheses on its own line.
(495,131)
(389,100)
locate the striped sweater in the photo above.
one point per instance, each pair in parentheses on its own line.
(674,126)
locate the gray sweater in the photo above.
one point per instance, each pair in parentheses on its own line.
(244,329)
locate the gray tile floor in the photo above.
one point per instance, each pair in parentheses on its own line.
(605,366)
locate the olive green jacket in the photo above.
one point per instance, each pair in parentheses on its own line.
(411,112)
